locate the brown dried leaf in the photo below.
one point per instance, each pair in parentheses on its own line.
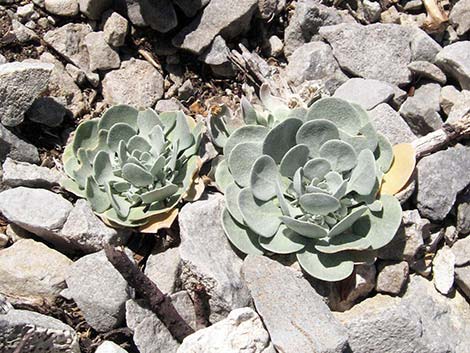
(164,220)
(400,172)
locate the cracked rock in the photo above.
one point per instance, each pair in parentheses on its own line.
(390,123)
(25,174)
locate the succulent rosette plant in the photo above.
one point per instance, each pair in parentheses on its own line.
(306,182)
(132,166)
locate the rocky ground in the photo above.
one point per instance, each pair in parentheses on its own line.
(406,62)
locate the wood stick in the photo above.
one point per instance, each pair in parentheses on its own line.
(158,302)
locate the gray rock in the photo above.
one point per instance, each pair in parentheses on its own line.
(389,122)
(27,331)
(241,331)
(305,324)
(25,207)
(308,17)
(372,11)
(435,197)
(31,271)
(463,215)
(427,70)
(25,11)
(78,75)
(150,334)
(443,270)
(454,59)
(459,17)
(99,291)
(62,86)
(94,8)
(66,8)
(217,53)
(3,240)
(378,51)
(109,347)
(365,92)
(47,111)
(164,269)
(392,277)
(20,84)
(115,30)
(191,7)
(160,16)
(13,147)
(408,243)
(136,83)
(210,260)
(69,41)
(312,62)
(450,96)
(85,232)
(423,47)
(275,46)
(102,56)
(461,251)
(25,174)
(168,105)
(462,279)
(22,33)
(3,60)
(460,108)
(421,111)
(200,33)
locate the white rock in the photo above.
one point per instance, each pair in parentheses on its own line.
(449,97)
(20,84)
(22,33)
(62,7)
(30,270)
(136,83)
(25,11)
(3,240)
(109,347)
(164,269)
(26,174)
(365,92)
(102,56)
(460,16)
(454,59)
(242,331)
(461,250)
(25,207)
(94,8)
(115,30)
(443,270)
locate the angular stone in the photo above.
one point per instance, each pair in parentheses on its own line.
(435,197)
(31,271)
(459,16)
(209,259)
(199,34)
(443,270)
(275,46)
(25,207)
(389,122)
(109,347)
(3,60)
(99,291)
(20,84)
(367,93)
(62,86)
(217,53)
(423,47)
(461,251)
(408,243)
(463,215)
(3,240)
(312,62)
(427,70)
(304,324)
(69,41)
(94,8)
(378,51)
(168,105)
(308,17)
(150,334)
(13,147)
(421,111)
(45,333)
(190,7)
(454,59)
(102,56)
(85,232)
(47,111)
(62,7)
(160,16)
(115,30)
(462,279)
(136,83)
(164,269)
(450,96)
(241,331)
(22,33)
(392,277)
(25,174)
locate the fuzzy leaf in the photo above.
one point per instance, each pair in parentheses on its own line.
(347,222)
(384,153)
(363,176)
(159,194)
(295,158)
(232,192)
(250,133)
(240,236)
(281,139)
(338,111)
(317,203)
(263,178)
(340,154)
(119,114)
(344,242)
(315,133)
(248,112)
(120,132)
(285,241)
(136,175)
(85,135)
(241,160)
(97,197)
(304,228)
(317,168)
(102,168)
(147,120)
(138,143)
